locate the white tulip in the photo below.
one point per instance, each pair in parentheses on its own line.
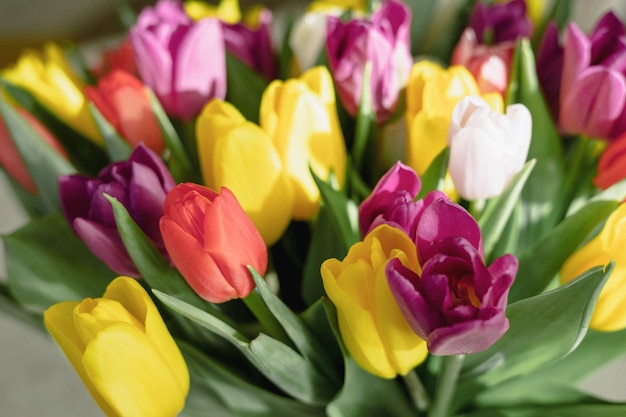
(487,148)
(308,37)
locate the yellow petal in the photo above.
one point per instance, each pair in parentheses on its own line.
(131,375)
(421,72)
(92,316)
(428,136)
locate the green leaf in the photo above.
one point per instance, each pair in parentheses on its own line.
(47,264)
(541,205)
(244,88)
(236,393)
(542,329)
(84,154)
(365,128)
(343,212)
(433,178)
(574,410)
(494,219)
(422,16)
(117,148)
(11,308)
(44,164)
(542,261)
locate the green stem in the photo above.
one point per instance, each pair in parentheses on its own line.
(257,306)
(476,208)
(446,385)
(416,391)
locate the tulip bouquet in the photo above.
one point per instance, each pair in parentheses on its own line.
(362,209)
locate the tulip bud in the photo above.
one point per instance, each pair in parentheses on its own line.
(486,148)
(211,241)
(172,58)
(239,155)
(454,301)
(140,184)
(607,246)
(122,351)
(124,102)
(612,164)
(497,23)
(384,41)
(10,158)
(372,326)
(300,116)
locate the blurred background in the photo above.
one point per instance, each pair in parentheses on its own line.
(35,378)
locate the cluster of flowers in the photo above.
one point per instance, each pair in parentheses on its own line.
(193,148)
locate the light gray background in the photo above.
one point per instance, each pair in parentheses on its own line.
(35,378)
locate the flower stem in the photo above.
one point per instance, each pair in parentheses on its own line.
(446,385)
(416,391)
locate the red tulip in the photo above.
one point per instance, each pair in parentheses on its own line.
(124,102)
(10,159)
(211,240)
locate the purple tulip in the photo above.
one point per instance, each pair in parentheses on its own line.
(393,201)
(382,40)
(253,46)
(550,66)
(592,89)
(140,184)
(500,22)
(456,303)
(181,60)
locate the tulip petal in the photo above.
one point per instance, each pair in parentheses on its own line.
(469,336)
(130,375)
(576,57)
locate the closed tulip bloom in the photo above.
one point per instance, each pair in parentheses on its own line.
(49,77)
(300,116)
(592,90)
(455,302)
(486,148)
(122,351)
(239,155)
(372,326)
(211,241)
(124,101)
(384,41)
(181,60)
(393,201)
(612,164)
(431,95)
(10,158)
(497,23)
(139,183)
(607,246)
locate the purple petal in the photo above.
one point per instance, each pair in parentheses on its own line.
(72,191)
(399,177)
(467,337)
(143,155)
(576,57)
(146,198)
(550,66)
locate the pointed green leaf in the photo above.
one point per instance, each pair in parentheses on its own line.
(434,177)
(47,264)
(498,211)
(117,148)
(573,410)
(542,329)
(44,164)
(542,261)
(244,88)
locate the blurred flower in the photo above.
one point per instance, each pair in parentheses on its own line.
(497,23)
(490,65)
(11,160)
(607,246)
(393,201)
(172,58)
(211,241)
(455,302)
(122,351)
(487,148)
(238,154)
(227,11)
(372,326)
(124,101)
(53,83)
(550,66)
(592,90)
(140,184)
(300,116)
(384,41)
(612,163)
(431,95)
(121,57)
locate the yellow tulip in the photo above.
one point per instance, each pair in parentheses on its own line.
(535,10)
(431,95)
(609,244)
(239,155)
(372,326)
(227,11)
(122,351)
(358,6)
(300,116)
(50,79)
